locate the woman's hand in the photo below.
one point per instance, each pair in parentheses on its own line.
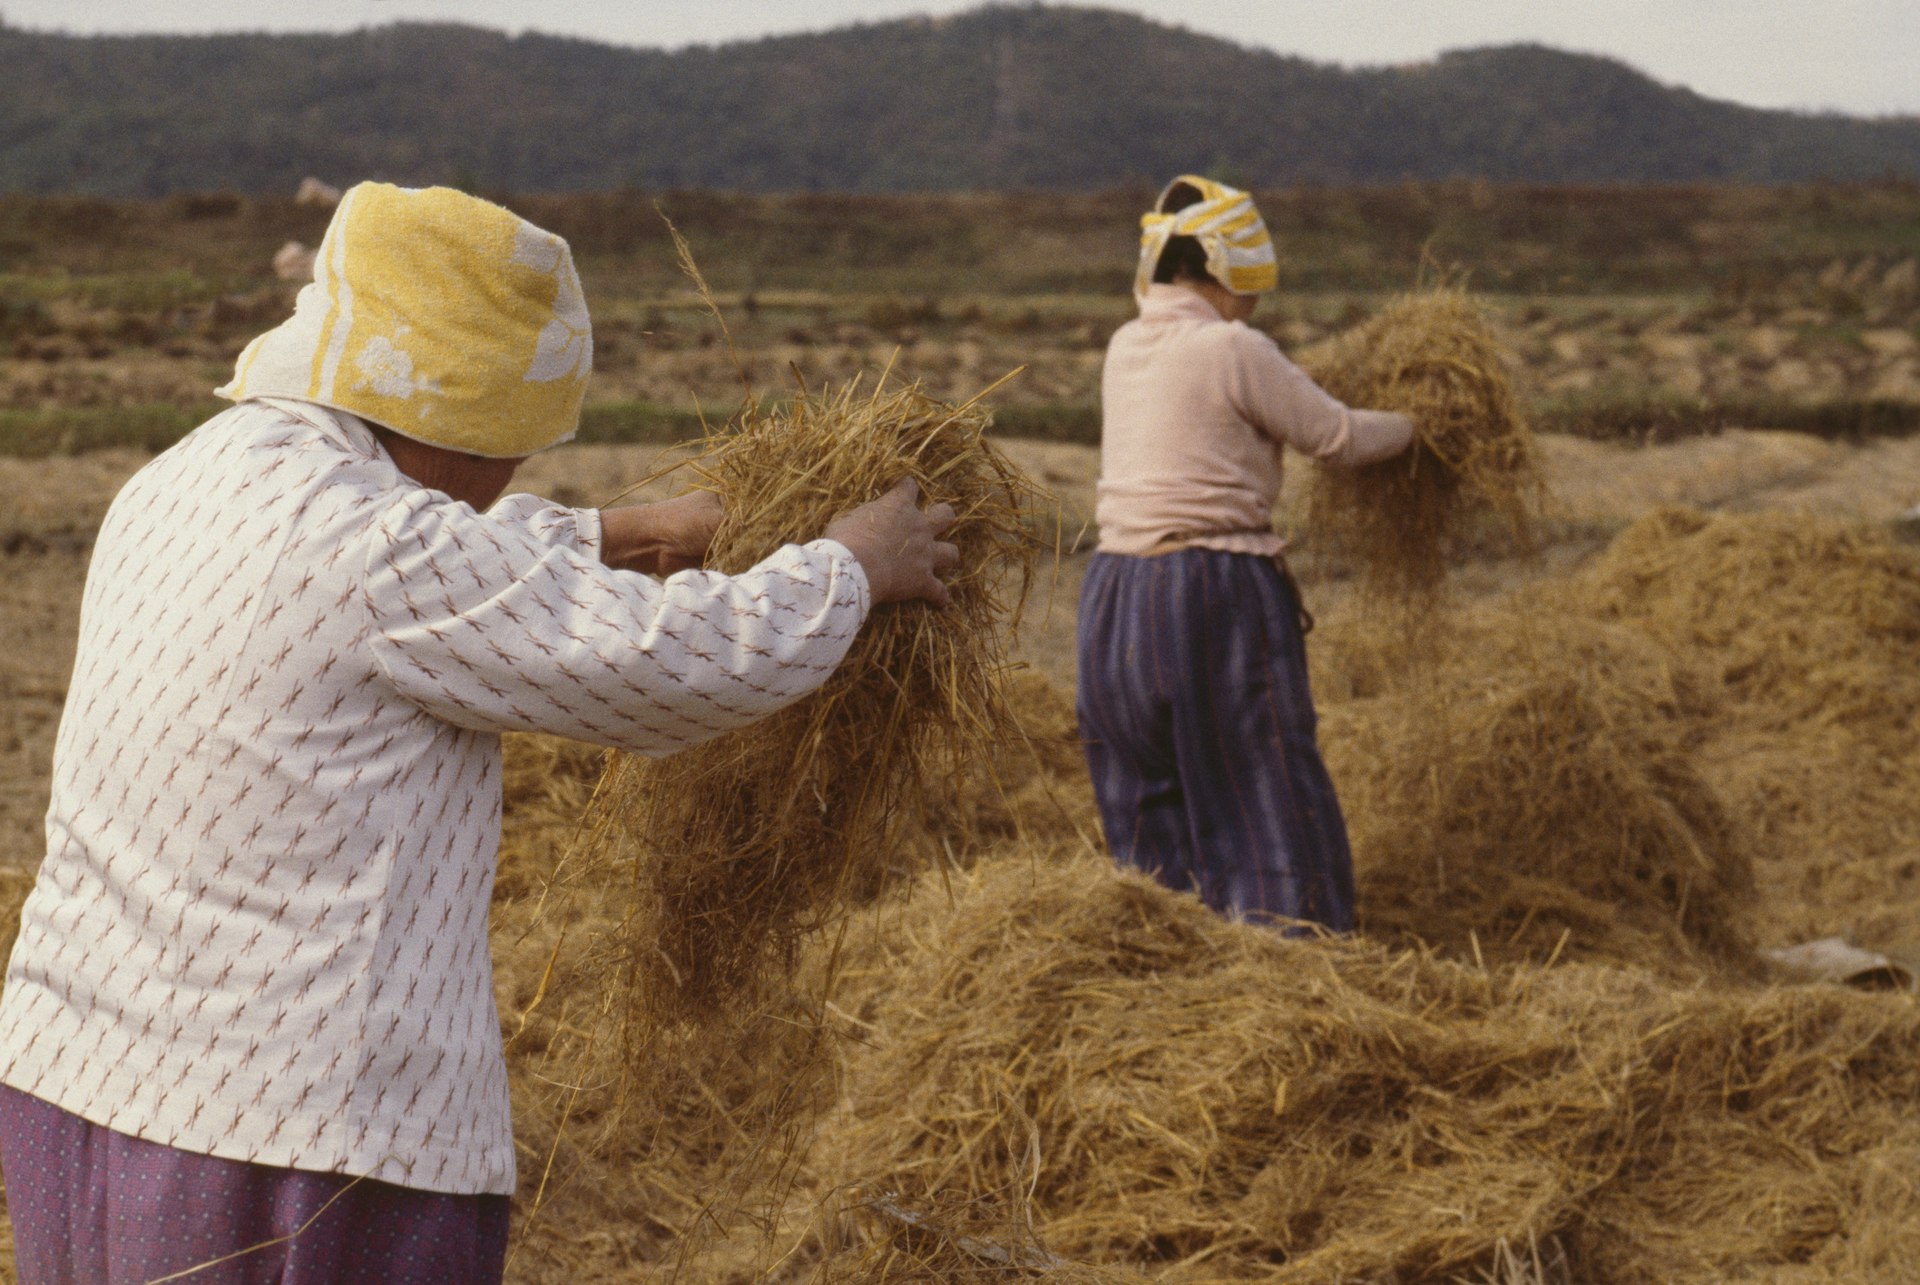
(898,545)
(660,539)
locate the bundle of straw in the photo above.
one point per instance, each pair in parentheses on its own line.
(1430,355)
(738,848)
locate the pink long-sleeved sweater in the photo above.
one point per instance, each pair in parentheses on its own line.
(1196,410)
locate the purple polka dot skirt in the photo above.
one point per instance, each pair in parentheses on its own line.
(95,1207)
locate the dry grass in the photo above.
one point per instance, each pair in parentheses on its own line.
(1542,1063)
(740,847)
(1146,1084)
(1039,1057)
(1041,1068)
(1807,620)
(682,1027)
(1532,792)
(1805,630)
(1621,756)
(1432,356)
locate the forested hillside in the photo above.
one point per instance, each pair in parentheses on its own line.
(1002,97)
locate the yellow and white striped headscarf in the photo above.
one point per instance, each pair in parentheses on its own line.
(1239,250)
(438,315)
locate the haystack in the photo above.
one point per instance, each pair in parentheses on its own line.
(1711,703)
(1472,470)
(1147,1085)
(1044,1056)
(1807,628)
(1039,1067)
(1531,791)
(1806,618)
(959,1243)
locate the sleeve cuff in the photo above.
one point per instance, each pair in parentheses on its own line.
(591,531)
(841,554)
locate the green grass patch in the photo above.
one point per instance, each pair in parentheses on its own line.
(147,291)
(1050,421)
(645,423)
(153,426)
(1661,417)
(159,291)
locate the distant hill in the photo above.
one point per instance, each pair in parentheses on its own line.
(1002,97)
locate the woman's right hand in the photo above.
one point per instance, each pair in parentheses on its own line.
(898,545)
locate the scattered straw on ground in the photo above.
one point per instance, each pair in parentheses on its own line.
(1431,355)
(1031,789)
(1147,1085)
(1040,1068)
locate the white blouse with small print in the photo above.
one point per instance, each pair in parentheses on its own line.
(260,931)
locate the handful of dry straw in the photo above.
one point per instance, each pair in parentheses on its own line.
(735,850)
(1430,355)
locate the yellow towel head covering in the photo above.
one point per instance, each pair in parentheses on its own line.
(438,315)
(1239,250)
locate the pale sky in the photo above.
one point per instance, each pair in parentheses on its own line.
(1857,56)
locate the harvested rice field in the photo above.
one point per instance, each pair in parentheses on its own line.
(1613,777)
(1601,786)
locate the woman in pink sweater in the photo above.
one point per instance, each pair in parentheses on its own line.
(1193,699)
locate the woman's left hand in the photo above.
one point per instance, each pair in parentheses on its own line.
(660,539)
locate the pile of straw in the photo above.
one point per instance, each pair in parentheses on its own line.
(1039,1067)
(1807,629)
(1430,355)
(1807,618)
(1711,703)
(1145,1084)
(1532,792)
(958,1243)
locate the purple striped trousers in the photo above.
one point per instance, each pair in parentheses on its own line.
(1199,730)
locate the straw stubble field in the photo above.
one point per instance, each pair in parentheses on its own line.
(1625,767)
